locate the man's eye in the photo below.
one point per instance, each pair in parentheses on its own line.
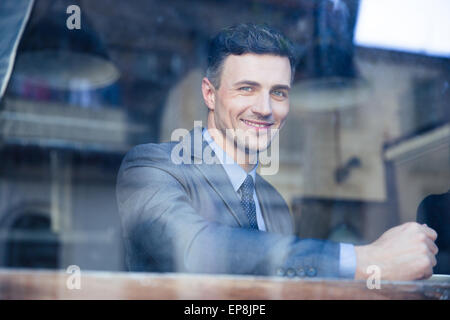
(279,93)
(248,89)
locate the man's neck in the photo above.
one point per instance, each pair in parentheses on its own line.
(245,160)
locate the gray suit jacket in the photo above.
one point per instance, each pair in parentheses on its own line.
(188,218)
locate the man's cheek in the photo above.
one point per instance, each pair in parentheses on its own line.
(282,118)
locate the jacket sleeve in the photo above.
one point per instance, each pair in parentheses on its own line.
(164,233)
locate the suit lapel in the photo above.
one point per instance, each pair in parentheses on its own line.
(264,204)
(273,208)
(217,177)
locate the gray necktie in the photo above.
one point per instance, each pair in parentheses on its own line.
(247,201)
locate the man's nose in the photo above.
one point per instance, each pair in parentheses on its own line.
(263,106)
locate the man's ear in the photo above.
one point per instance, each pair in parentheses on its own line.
(209,93)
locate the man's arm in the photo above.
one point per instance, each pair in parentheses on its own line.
(161,226)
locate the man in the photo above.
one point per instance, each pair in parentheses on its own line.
(219,216)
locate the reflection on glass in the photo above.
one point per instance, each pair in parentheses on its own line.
(367,138)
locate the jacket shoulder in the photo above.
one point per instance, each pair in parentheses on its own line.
(155,156)
(149,153)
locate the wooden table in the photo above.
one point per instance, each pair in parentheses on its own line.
(28,284)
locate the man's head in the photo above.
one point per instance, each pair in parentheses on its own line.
(246,88)
(246,38)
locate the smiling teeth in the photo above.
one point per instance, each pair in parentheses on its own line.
(255,124)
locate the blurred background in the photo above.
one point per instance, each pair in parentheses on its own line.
(366,140)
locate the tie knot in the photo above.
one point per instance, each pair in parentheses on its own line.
(247,187)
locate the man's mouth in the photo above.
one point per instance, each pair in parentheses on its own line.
(257,124)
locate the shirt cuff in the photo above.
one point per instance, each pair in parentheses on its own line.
(347,260)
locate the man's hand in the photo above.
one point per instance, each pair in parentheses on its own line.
(405,252)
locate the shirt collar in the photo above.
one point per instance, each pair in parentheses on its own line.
(234,171)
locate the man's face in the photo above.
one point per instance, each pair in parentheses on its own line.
(252,99)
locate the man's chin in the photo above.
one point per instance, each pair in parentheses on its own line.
(256,147)
(253,142)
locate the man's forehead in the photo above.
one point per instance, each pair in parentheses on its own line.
(257,68)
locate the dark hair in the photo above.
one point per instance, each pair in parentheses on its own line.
(246,38)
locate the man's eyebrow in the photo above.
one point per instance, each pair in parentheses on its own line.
(248,82)
(256,84)
(281,86)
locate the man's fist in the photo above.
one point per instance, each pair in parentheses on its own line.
(405,252)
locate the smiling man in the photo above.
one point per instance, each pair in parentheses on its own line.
(248,104)
(220,216)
